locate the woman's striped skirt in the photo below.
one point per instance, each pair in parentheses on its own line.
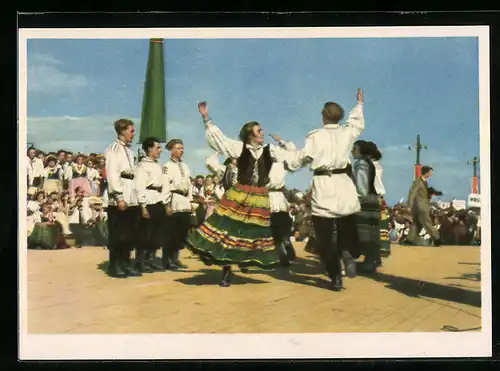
(368,223)
(238,231)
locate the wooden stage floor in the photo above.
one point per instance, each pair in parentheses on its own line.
(418,289)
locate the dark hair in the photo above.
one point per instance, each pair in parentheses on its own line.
(78,189)
(149,143)
(333,112)
(38,194)
(171,143)
(372,151)
(247,130)
(199,177)
(426,169)
(61,151)
(228,161)
(209,176)
(69,153)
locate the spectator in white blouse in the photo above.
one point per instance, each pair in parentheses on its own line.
(93,178)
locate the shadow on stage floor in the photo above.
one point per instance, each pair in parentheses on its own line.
(214,276)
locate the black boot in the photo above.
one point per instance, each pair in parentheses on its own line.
(290,252)
(127,266)
(349,264)
(176,261)
(114,268)
(368,266)
(337,284)
(141,262)
(150,260)
(168,263)
(226,276)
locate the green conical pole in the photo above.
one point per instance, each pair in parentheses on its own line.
(153,117)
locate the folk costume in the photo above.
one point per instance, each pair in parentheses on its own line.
(122,224)
(52,177)
(368,219)
(79,179)
(177,179)
(385,244)
(153,194)
(334,199)
(239,231)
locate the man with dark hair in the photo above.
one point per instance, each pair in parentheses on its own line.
(152,195)
(123,211)
(334,195)
(61,158)
(179,213)
(37,170)
(418,200)
(67,170)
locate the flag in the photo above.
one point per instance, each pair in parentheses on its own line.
(153,117)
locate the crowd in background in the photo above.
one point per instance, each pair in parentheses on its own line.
(67,199)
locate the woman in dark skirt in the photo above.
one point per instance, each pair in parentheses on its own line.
(239,230)
(368,219)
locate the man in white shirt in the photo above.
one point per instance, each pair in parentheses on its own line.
(67,170)
(153,195)
(123,210)
(37,169)
(178,223)
(334,194)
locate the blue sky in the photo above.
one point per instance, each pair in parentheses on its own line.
(426,86)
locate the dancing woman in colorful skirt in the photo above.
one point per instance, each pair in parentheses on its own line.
(239,230)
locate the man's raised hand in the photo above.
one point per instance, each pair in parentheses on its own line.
(203,108)
(275,137)
(359,96)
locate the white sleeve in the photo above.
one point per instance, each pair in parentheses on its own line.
(356,121)
(220,143)
(299,159)
(214,166)
(140,179)
(115,182)
(166,189)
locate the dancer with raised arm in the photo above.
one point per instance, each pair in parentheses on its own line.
(334,196)
(239,231)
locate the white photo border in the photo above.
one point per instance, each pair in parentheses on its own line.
(268,346)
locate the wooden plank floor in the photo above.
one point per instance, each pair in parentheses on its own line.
(417,289)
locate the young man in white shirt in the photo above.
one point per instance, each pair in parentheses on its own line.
(153,195)
(179,214)
(123,210)
(334,195)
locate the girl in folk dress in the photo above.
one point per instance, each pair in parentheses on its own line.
(59,213)
(239,230)
(52,176)
(93,178)
(79,177)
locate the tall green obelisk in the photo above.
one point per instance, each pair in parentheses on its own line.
(153,117)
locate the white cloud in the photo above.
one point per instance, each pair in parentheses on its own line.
(46,75)
(95,133)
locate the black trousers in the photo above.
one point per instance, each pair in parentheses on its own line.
(151,231)
(348,236)
(177,227)
(123,228)
(281,224)
(327,245)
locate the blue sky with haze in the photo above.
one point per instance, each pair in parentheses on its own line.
(426,86)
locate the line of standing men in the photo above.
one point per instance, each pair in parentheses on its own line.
(149,204)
